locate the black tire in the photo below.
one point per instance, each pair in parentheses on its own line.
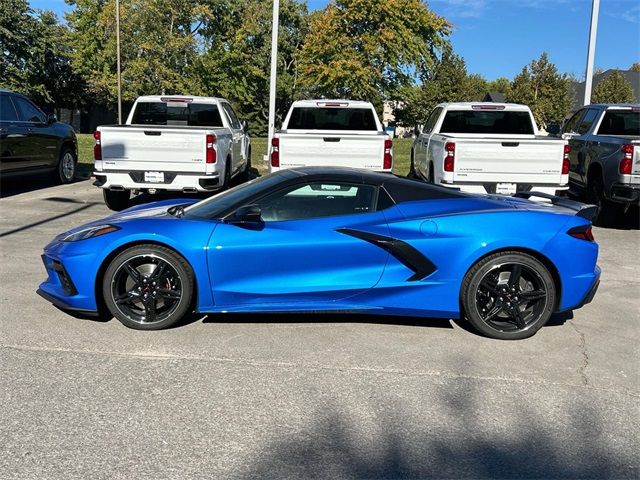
(508,295)
(227,175)
(430,177)
(246,172)
(148,287)
(609,213)
(67,165)
(116,200)
(412,167)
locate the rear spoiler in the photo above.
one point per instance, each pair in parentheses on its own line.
(583,210)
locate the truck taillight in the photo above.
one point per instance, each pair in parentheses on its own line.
(565,160)
(387,158)
(450,159)
(211,151)
(97,147)
(275,152)
(627,159)
(583,233)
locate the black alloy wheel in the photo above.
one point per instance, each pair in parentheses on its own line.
(148,287)
(508,295)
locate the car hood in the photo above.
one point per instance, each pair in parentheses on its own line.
(148,210)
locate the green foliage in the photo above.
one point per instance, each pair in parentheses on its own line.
(237,56)
(635,67)
(35,56)
(501,84)
(448,82)
(613,89)
(370,49)
(159,46)
(543,89)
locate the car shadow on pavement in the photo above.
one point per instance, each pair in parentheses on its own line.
(15,185)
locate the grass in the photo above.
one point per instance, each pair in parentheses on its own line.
(401,152)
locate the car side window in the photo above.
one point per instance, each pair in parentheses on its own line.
(317,200)
(587,121)
(231,115)
(28,112)
(432,120)
(7,110)
(572,124)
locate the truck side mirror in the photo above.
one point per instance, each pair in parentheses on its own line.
(553,129)
(51,118)
(245,126)
(417,130)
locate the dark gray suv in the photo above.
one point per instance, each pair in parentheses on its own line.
(31,141)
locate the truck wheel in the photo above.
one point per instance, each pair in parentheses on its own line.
(608,212)
(227,175)
(431,174)
(244,175)
(66,169)
(412,167)
(116,200)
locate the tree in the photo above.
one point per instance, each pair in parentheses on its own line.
(370,49)
(543,89)
(447,82)
(500,84)
(635,67)
(35,57)
(159,46)
(237,56)
(613,89)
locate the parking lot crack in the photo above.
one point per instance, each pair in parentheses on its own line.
(582,345)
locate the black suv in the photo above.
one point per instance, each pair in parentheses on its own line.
(31,141)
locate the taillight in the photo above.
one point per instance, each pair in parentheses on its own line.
(565,160)
(211,151)
(387,159)
(97,147)
(583,233)
(450,159)
(627,159)
(275,152)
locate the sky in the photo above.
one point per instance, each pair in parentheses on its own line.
(498,37)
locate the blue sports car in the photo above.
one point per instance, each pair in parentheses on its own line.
(332,240)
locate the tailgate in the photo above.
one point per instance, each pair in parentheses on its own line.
(515,160)
(153,148)
(356,151)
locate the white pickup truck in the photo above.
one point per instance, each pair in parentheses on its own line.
(343,133)
(171,143)
(489,148)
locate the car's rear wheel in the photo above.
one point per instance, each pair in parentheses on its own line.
(148,287)
(508,295)
(66,170)
(116,200)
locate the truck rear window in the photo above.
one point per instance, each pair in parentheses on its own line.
(332,118)
(487,122)
(181,114)
(620,122)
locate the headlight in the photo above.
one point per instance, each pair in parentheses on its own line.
(90,232)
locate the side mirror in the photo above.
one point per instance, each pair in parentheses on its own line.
(245,126)
(249,216)
(417,130)
(51,118)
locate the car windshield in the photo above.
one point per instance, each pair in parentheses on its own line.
(218,205)
(177,113)
(487,122)
(620,122)
(332,118)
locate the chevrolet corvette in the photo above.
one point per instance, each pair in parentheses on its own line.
(323,239)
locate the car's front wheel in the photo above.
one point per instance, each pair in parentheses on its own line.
(148,287)
(508,295)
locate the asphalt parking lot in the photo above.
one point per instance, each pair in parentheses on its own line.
(308,396)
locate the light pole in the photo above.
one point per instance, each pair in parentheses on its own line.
(118,61)
(591,52)
(274,65)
